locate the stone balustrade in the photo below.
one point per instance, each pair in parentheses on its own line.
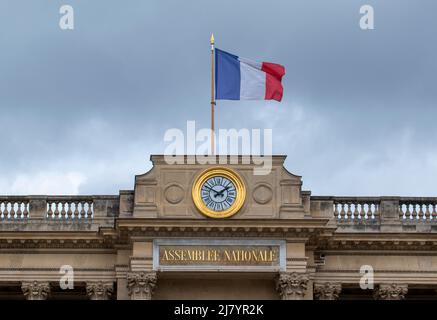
(356,209)
(385,214)
(52,208)
(14,208)
(348,213)
(69,208)
(418,209)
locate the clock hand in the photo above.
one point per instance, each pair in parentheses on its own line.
(221,192)
(215,195)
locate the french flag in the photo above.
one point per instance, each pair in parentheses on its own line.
(238,78)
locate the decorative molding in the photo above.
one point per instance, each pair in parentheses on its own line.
(292,286)
(327,291)
(19,244)
(99,290)
(379,271)
(57,269)
(141,285)
(35,290)
(262,193)
(174,193)
(392,291)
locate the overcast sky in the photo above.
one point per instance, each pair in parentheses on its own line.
(82,110)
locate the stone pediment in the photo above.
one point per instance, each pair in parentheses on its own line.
(166,190)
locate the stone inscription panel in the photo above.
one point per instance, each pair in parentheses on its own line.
(219,255)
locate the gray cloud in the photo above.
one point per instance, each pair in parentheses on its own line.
(82,110)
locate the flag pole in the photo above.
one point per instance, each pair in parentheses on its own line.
(212,95)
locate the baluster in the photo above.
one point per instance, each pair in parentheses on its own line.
(69,211)
(26,211)
(56,212)
(12,212)
(49,210)
(402,211)
(353,210)
(415,212)
(82,210)
(418,211)
(19,211)
(348,215)
(409,211)
(63,212)
(375,213)
(434,211)
(6,212)
(76,211)
(359,209)
(1,210)
(90,210)
(336,212)
(342,211)
(427,213)
(367,209)
(85,209)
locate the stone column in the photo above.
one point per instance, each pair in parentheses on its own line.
(141,285)
(327,291)
(35,290)
(99,290)
(292,286)
(391,291)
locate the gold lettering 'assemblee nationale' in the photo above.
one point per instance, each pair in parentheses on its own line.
(218,255)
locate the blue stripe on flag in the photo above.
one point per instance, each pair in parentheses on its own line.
(227,76)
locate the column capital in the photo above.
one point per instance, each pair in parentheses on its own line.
(327,290)
(35,290)
(292,286)
(393,291)
(141,285)
(99,290)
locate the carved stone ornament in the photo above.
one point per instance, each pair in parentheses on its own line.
(391,291)
(35,290)
(141,285)
(292,286)
(262,194)
(327,291)
(99,290)
(174,194)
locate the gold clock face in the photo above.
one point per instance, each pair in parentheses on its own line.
(219,192)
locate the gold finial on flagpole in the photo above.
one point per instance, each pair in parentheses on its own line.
(212,95)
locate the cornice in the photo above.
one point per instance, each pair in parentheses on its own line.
(45,243)
(233,224)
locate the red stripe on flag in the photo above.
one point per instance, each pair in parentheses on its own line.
(274,73)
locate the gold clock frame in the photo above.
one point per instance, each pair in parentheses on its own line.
(224,172)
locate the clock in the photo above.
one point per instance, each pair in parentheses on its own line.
(219,192)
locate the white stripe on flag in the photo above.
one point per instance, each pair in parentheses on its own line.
(254,64)
(253,81)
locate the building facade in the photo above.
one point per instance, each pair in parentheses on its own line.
(206,231)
